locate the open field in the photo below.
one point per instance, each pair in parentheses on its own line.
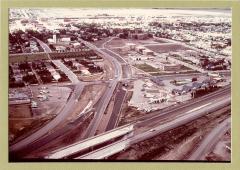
(147,68)
(166,48)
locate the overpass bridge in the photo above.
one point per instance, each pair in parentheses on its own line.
(91,142)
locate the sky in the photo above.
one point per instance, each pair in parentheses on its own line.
(86,12)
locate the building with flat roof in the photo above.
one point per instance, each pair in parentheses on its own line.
(130,46)
(55,38)
(166,66)
(148,52)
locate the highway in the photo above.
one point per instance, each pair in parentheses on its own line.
(43,45)
(69,107)
(90,142)
(183,119)
(99,110)
(106,97)
(183,107)
(64,113)
(117,107)
(153,125)
(180,114)
(155,130)
(107,151)
(210,140)
(127,72)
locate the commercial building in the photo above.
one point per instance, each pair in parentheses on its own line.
(140,49)
(139,36)
(148,52)
(167,66)
(66,40)
(130,46)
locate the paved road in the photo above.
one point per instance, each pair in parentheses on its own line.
(179,121)
(107,151)
(74,149)
(127,71)
(67,71)
(69,106)
(183,107)
(210,141)
(44,46)
(115,55)
(106,97)
(117,107)
(182,120)
(182,116)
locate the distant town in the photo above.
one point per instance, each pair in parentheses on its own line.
(119,84)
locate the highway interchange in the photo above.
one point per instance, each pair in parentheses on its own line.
(150,126)
(145,127)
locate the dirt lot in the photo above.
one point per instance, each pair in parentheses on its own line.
(175,144)
(19,128)
(129,114)
(56,95)
(46,110)
(90,93)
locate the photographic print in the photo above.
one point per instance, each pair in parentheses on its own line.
(120,84)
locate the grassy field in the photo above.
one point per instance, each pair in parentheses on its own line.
(157,72)
(146,68)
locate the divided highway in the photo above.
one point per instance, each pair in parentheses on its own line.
(113,148)
(146,127)
(149,127)
(105,99)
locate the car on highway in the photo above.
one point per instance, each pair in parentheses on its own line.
(152,130)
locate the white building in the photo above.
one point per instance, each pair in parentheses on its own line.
(148,52)
(140,49)
(55,38)
(66,39)
(130,46)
